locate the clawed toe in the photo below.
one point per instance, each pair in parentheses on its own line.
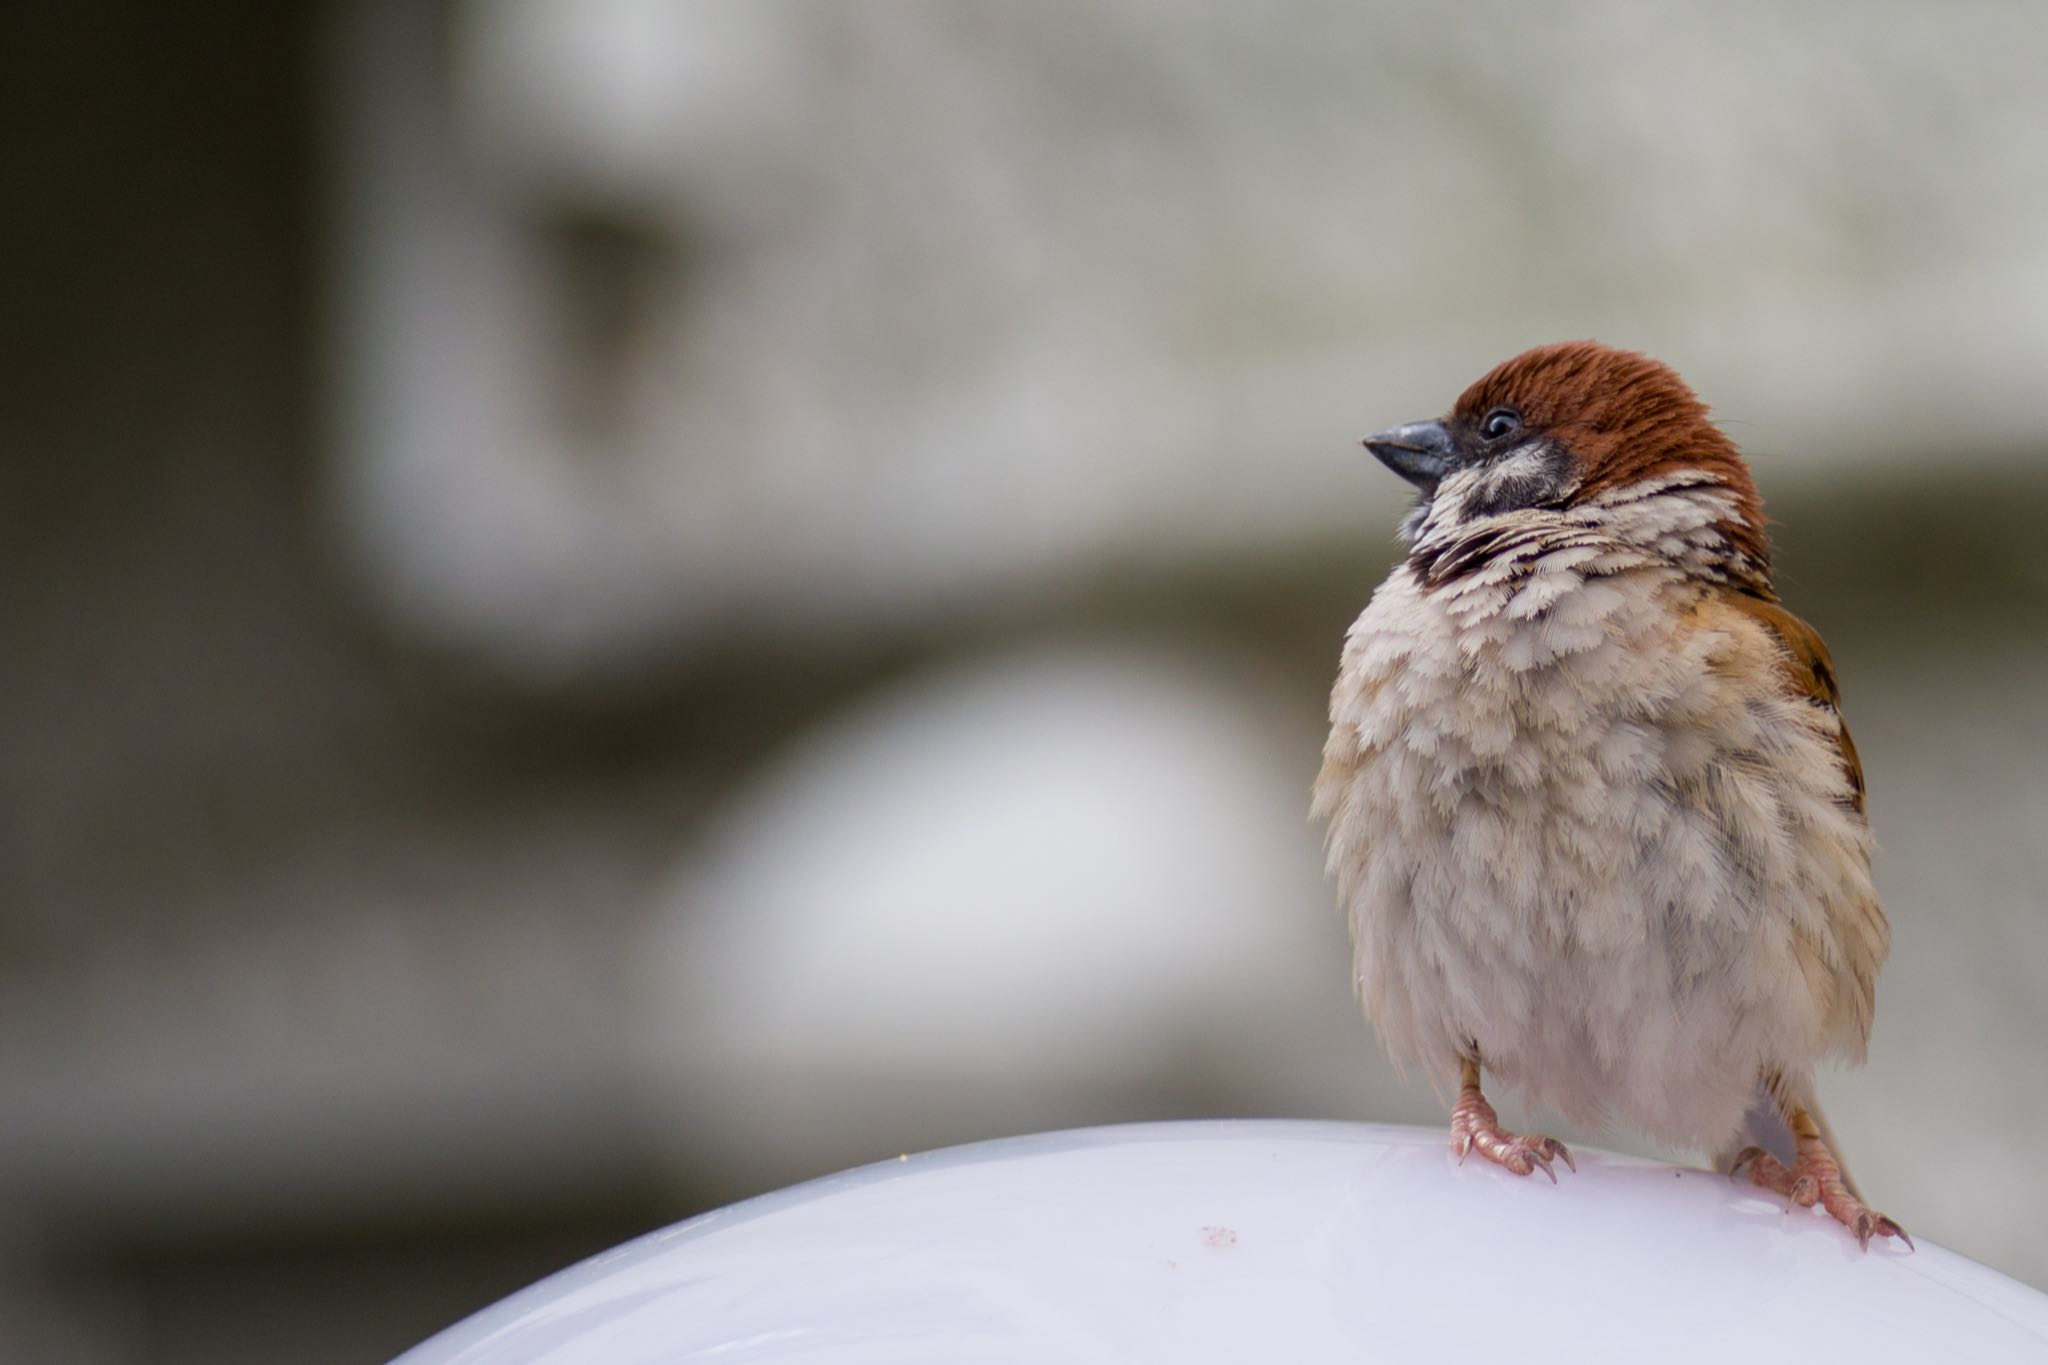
(1816,1178)
(1474,1126)
(1869,1223)
(1523,1156)
(1528,1153)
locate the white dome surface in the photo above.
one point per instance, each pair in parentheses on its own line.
(1254,1241)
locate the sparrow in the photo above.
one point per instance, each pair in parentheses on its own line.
(1591,806)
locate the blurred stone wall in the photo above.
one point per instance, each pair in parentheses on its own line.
(611,605)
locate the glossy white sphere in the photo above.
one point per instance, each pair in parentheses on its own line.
(1255,1241)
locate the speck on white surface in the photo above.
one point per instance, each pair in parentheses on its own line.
(1254,1241)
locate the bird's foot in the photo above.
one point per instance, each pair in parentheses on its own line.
(1475,1127)
(1815,1177)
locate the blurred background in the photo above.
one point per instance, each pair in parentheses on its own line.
(609,605)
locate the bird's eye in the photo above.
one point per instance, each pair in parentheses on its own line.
(1499,423)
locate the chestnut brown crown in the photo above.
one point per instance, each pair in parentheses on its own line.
(1624,418)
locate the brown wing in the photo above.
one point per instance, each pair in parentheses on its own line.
(1810,671)
(1849,965)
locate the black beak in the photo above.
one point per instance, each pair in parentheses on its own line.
(1419,452)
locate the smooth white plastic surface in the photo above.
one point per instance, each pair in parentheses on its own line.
(1252,1242)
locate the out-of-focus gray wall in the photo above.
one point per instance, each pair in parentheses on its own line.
(610,605)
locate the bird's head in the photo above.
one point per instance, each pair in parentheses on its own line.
(1578,430)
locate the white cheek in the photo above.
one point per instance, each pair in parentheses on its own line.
(1456,487)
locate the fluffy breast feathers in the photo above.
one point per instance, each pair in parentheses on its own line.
(1596,818)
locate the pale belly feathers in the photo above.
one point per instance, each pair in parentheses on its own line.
(1572,832)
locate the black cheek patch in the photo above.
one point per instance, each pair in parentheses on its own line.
(1543,486)
(1524,490)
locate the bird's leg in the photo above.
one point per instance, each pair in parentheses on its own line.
(1816,1177)
(1475,1127)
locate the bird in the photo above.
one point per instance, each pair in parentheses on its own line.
(1590,803)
